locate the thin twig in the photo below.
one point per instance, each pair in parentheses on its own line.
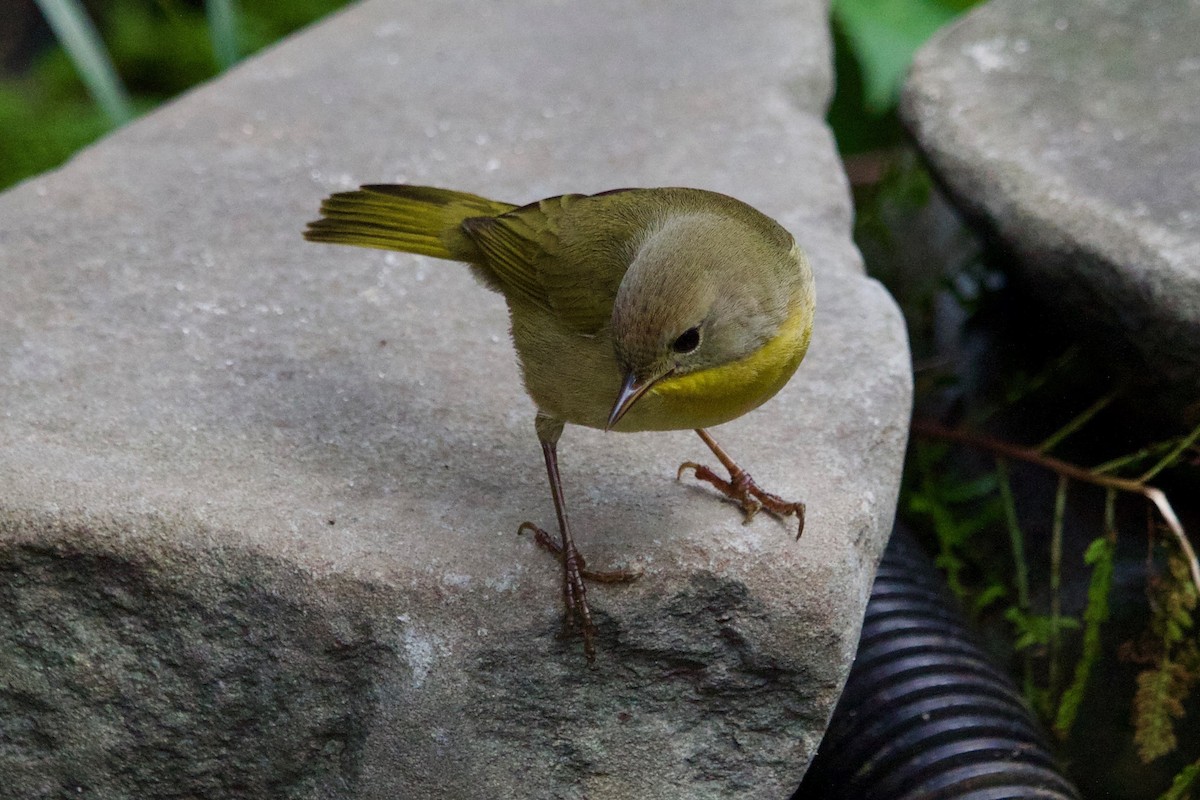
(1066,469)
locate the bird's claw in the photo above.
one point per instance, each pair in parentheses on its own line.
(575,572)
(741,489)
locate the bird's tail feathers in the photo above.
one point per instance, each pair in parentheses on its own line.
(414,219)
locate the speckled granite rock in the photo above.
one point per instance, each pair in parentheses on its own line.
(259,498)
(1069,130)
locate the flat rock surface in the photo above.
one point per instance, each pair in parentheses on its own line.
(259,497)
(1069,129)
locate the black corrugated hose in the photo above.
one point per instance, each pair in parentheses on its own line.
(925,714)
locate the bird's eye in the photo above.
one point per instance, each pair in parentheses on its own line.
(688,341)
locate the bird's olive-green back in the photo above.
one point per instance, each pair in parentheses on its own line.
(569,254)
(566,254)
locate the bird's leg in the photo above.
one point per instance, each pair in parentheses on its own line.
(740,487)
(575,569)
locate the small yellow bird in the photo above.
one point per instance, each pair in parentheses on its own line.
(632,310)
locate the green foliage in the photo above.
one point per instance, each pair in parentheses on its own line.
(1157,705)
(158,48)
(79,38)
(1176,602)
(1060,649)
(884,35)
(1182,446)
(1016,537)
(1172,650)
(1101,557)
(952,507)
(37,132)
(1185,782)
(874,44)
(1076,424)
(1037,630)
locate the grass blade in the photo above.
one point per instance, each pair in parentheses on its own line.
(79,38)
(222,23)
(1171,457)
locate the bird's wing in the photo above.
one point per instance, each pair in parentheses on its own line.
(512,245)
(566,254)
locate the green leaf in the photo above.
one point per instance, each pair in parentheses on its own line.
(988,596)
(1037,629)
(1101,555)
(884,35)
(1185,782)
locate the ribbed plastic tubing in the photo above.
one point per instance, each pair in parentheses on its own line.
(926,715)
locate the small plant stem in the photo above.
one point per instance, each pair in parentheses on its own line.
(1015,537)
(1065,469)
(1133,458)
(1170,457)
(1077,423)
(1056,547)
(1016,541)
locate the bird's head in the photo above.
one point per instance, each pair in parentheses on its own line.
(702,291)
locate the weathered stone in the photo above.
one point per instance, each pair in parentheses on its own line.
(259,498)
(1069,131)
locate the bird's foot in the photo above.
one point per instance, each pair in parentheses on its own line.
(741,489)
(575,572)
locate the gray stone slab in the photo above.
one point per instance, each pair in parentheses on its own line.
(1069,130)
(259,498)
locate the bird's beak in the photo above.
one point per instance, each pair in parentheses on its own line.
(631,390)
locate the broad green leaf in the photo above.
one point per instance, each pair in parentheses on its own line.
(884,35)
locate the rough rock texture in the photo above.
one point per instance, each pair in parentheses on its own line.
(1069,130)
(259,498)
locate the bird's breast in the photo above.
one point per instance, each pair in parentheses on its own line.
(576,378)
(570,376)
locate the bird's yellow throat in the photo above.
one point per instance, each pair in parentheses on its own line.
(712,396)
